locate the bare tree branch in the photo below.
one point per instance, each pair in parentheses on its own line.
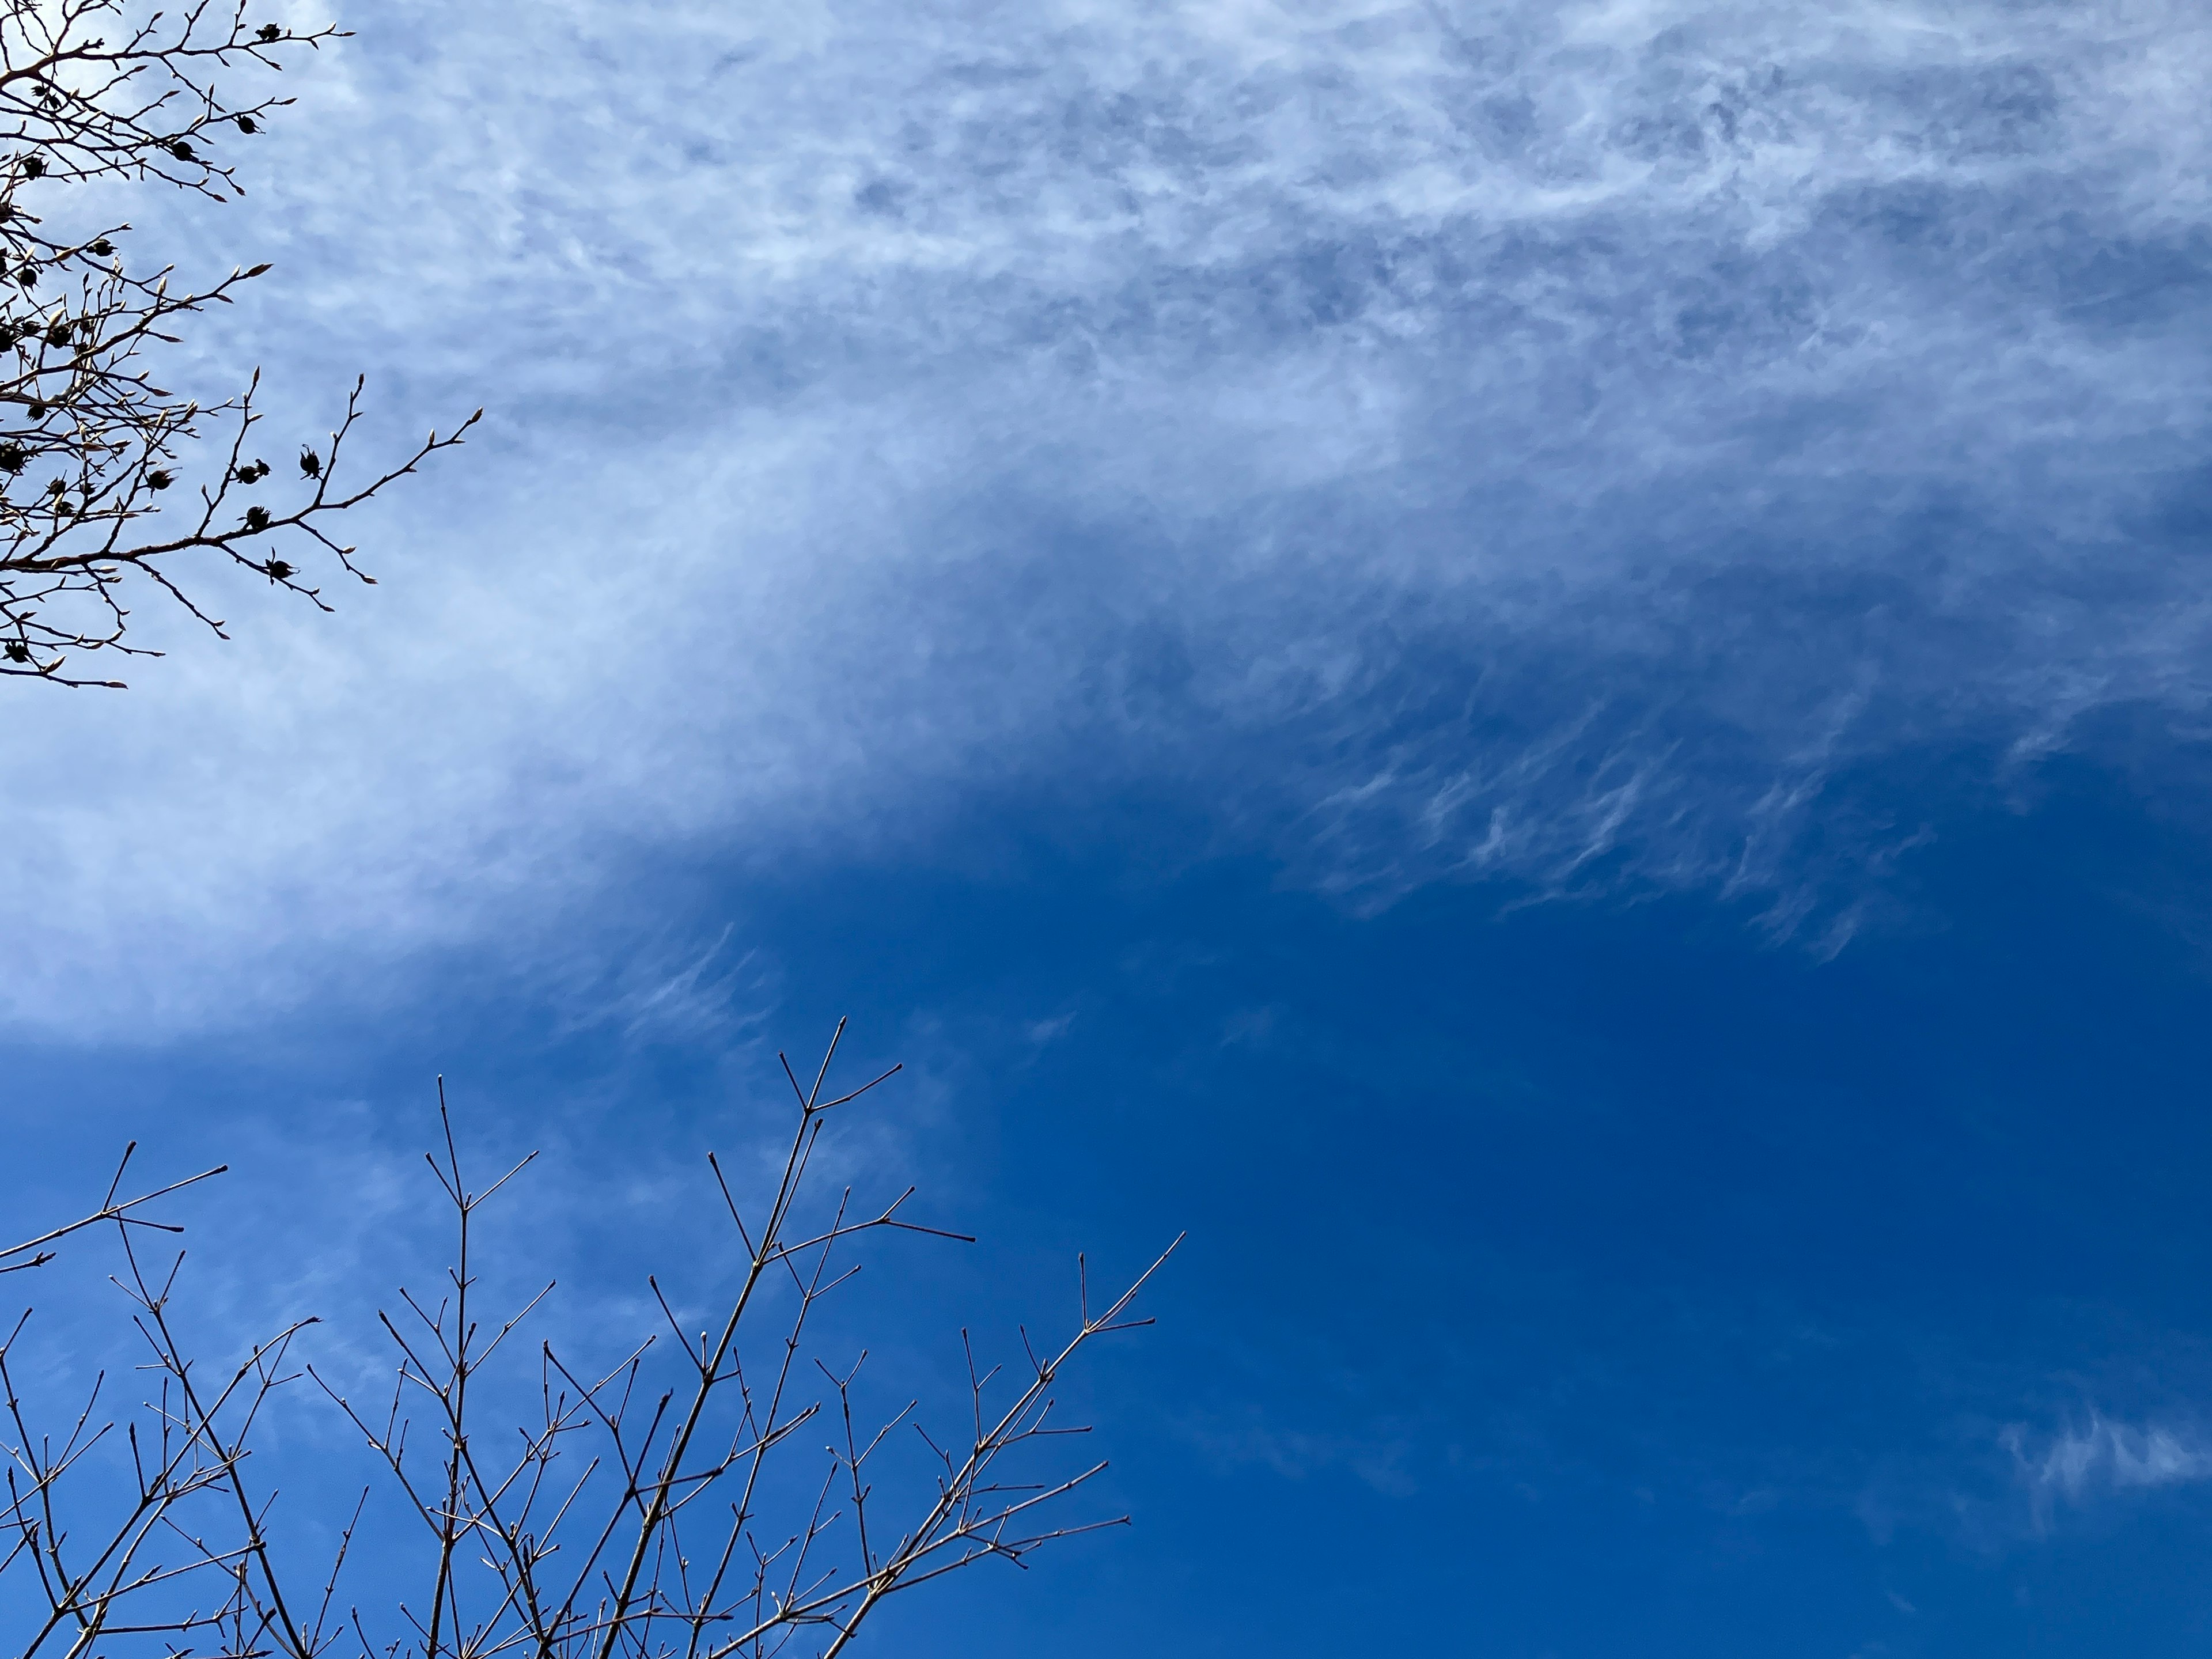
(89,444)
(584,1533)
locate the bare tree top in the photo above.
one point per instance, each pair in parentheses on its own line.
(717,1489)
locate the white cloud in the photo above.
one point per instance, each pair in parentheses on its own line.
(1522,440)
(2101,1458)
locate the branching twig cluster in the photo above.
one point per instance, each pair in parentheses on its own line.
(140,1564)
(89,445)
(652,1507)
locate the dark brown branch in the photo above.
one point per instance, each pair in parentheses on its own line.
(90,447)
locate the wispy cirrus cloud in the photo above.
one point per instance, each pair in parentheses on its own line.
(2103,1457)
(1440,440)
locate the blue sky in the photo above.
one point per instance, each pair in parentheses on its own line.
(1542,669)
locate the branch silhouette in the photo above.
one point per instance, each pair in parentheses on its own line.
(660,1503)
(91,448)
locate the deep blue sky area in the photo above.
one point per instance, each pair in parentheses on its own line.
(1539,671)
(1563,1278)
